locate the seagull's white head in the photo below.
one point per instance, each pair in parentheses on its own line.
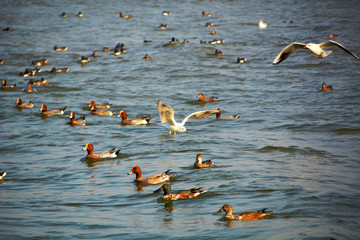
(182,129)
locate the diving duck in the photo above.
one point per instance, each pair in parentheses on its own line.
(199,163)
(109,154)
(191,193)
(227,208)
(133,121)
(154,179)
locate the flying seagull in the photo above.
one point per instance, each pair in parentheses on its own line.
(315,48)
(167,117)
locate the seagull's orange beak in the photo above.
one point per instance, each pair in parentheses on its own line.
(305,47)
(186,131)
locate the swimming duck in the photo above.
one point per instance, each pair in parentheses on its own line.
(125,16)
(208,99)
(241,60)
(28,72)
(53,112)
(41,81)
(218,115)
(106,49)
(29,89)
(154,179)
(219,53)
(260,214)
(326,88)
(57,70)
(262,25)
(109,154)
(213,32)
(191,193)
(5,85)
(133,121)
(174,40)
(27,104)
(168,119)
(63,15)
(40,62)
(334,36)
(80,15)
(103,112)
(80,121)
(147,57)
(1,62)
(2,175)
(206,14)
(199,163)
(98,106)
(56,48)
(94,54)
(84,59)
(165,13)
(216,41)
(209,24)
(163,26)
(186,41)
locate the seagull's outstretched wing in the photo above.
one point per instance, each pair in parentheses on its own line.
(331,43)
(166,113)
(287,51)
(200,115)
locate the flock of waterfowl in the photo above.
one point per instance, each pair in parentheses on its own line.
(165,111)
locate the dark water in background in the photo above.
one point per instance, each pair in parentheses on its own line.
(295,150)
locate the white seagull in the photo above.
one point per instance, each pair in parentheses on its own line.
(167,117)
(315,48)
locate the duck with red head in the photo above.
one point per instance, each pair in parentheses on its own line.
(109,154)
(218,115)
(7,86)
(52,112)
(102,113)
(133,121)
(153,179)
(27,104)
(202,98)
(76,122)
(326,88)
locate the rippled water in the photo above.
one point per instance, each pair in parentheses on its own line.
(295,150)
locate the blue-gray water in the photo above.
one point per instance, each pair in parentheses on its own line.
(295,150)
